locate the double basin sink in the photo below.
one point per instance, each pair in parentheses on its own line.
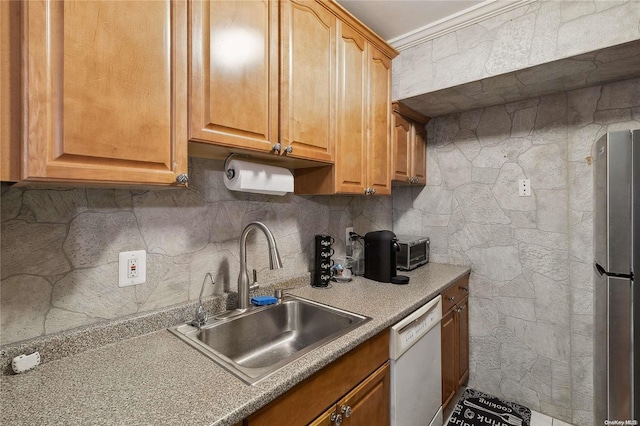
(259,341)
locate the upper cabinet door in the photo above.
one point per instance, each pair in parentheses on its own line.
(409,145)
(308,80)
(234,73)
(419,153)
(401,138)
(351,144)
(10,91)
(379,122)
(105,91)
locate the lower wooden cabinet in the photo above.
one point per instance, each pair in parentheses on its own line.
(359,381)
(462,318)
(455,338)
(449,376)
(367,404)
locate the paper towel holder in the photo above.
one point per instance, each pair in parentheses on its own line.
(231,173)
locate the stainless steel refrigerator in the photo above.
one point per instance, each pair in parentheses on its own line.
(617,251)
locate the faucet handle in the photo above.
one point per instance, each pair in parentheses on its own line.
(254,285)
(201,317)
(279,293)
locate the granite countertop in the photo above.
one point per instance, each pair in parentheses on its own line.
(158,379)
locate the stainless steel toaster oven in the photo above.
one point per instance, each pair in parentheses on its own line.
(414,252)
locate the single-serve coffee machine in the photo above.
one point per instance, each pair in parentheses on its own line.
(380,248)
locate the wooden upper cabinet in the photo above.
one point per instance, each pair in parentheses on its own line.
(409,145)
(419,153)
(263,73)
(363,153)
(363,150)
(379,152)
(10,90)
(401,135)
(308,80)
(234,73)
(351,144)
(105,91)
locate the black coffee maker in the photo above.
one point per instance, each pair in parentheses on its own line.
(380,248)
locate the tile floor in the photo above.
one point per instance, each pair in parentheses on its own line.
(537,419)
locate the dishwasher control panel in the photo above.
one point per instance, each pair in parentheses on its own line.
(417,329)
(408,331)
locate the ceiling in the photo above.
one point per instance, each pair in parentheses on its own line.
(391,19)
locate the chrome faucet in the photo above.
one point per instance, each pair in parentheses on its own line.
(201,314)
(274,261)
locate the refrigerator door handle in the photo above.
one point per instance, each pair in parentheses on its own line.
(600,270)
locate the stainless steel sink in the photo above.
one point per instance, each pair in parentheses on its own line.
(258,342)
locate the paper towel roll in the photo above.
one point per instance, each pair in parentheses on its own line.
(258,178)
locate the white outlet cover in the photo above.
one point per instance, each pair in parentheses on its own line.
(347,234)
(524,187)
(123,263)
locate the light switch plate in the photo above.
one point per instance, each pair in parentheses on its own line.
(132,268)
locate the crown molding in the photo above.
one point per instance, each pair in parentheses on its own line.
(480,12)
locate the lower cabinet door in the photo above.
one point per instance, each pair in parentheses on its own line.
(328,418)
(462,312)
(369,403)
(449,357)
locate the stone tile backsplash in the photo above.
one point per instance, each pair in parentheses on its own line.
(59,247)
(531,284)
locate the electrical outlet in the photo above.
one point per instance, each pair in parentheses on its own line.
(524,187)
(132,268)
(347,236)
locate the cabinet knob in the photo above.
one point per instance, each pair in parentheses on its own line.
(464,289)
(346,410)
(451,298)
(288,149)
(276,148)
(367,191)
(373,191)
(182,178)
(458,310)
(336,419)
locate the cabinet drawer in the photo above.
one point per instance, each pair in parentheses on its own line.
(455,293)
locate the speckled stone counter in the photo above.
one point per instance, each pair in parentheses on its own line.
(158,379)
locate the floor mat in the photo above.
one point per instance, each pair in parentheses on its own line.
(479,409)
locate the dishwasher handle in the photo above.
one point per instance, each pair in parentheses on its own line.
(410,330)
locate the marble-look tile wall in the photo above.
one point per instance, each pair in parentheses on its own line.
(59,248)
(531,310)
(533,34)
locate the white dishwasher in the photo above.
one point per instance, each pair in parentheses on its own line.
(416,376)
